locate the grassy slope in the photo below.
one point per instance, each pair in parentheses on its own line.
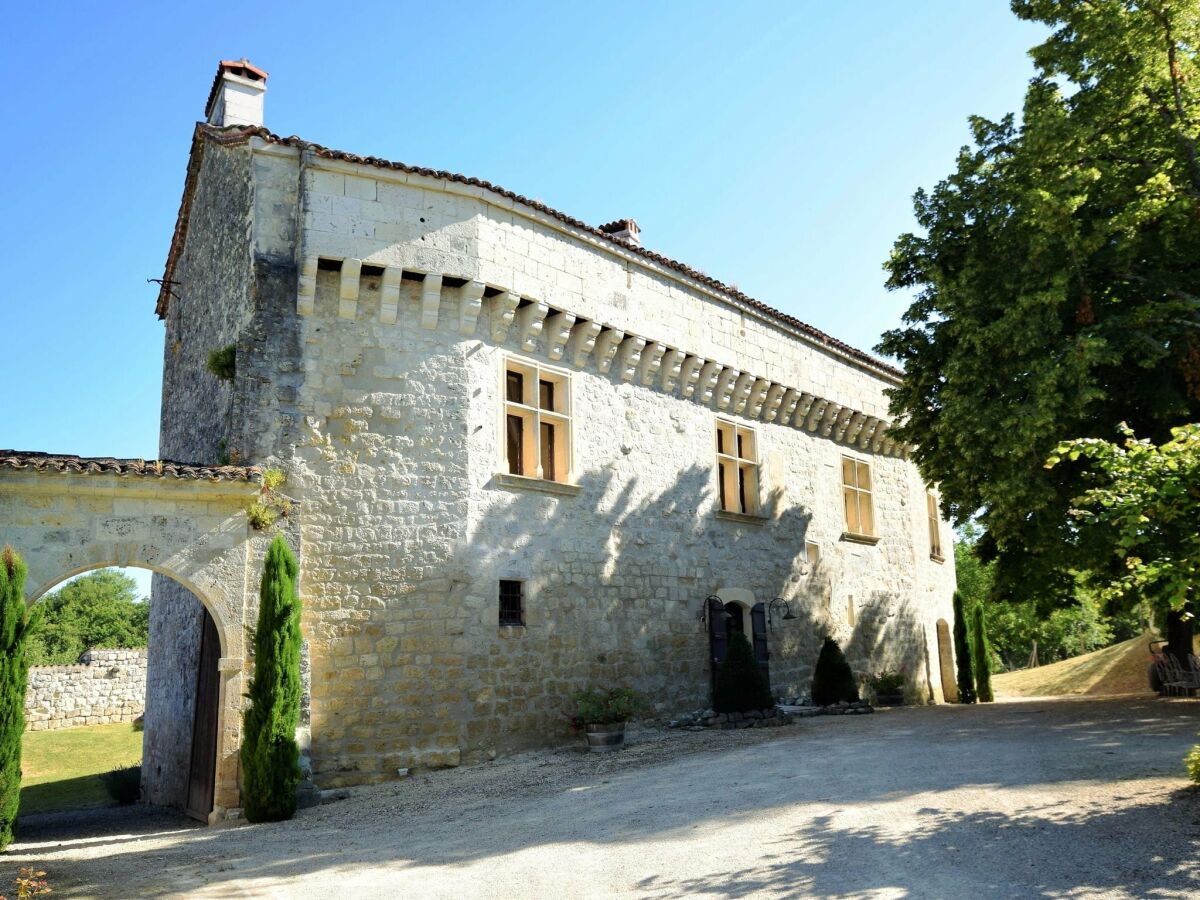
(61,768)
(1119,669)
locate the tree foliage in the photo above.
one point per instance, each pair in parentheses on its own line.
(964,676)
(99,609)
(740,684)
(16,624)
(1056,282)
(833,679)
(270,755)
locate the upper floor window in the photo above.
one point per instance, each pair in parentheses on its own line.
(737,468)
(537,421)
(856,492)
(935,527)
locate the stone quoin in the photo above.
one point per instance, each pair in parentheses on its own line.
(523,452)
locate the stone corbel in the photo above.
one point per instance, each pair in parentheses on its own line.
(582,342)
(431,300)
(558,331)
(741,392)
(470,301)
(389,295)
(725,385)
(607,344)
(348,288)
(758,394)
(771,403)
(867,432)
(530,319)
(504,308)
(804,404)
(850,430)
(629,356)
(710,374)
(835,417)
(651,362)
(689,375)
(307,294)
(815,413)
(791,399)
(879,437)
(672,362)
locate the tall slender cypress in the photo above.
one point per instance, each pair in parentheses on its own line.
(16,624)
(983,659)
(962,654)
(270,755)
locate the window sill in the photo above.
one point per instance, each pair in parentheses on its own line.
(520,482)
(937,558)
(853,538)
(744,518)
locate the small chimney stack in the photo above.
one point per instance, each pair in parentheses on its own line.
(624,230)
(236,97)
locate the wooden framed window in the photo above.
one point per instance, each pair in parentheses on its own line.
(856,492)
(935,527)
(537,421)
(737,468)
(512,602)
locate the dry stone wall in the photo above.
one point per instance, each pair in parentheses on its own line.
(107,686)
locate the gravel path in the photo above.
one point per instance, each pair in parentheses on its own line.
(1078,798)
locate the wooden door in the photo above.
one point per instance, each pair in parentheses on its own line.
(718,642)
(203,770)
(946,662)
(758,630)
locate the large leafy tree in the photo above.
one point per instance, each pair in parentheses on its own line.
(99,609)
(1057,283)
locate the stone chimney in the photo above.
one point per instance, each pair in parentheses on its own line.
(624,230)
(236,97)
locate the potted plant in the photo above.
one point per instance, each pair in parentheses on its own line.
(888,688)
(602,715)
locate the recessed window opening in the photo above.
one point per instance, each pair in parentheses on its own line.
(537,422)
(512,602)
(737,468)
(935,530)
(856,492)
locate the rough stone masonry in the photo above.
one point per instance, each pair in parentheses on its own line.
(107,686)
(387,320)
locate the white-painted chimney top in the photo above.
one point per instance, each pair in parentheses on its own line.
(236,97)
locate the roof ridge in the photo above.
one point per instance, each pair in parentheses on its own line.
(239,133)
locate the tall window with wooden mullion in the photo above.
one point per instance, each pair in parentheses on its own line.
(737,468)
(856,492)
(536,422)
(935,527)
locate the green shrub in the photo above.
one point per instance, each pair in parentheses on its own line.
(223,363)
(16,625)
(833,679)
(887,682)
(270,755)
(124,784)
(983,659)
(962,653)
(594,707)
(740,684)
(1192,763)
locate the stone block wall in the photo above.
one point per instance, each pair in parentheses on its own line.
(107,686)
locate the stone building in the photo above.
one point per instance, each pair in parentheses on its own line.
(524,453)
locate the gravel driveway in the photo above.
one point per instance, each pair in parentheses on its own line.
(1079,798)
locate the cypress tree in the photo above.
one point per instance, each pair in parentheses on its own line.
(962,653)
(740,684)
(833,679)
(16,624)
(270,755)
(983,659)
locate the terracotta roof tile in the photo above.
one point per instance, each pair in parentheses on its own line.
(239,134)
(105,465)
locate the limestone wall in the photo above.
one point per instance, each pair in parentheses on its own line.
(107,686)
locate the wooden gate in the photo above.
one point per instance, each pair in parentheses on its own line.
(203,768)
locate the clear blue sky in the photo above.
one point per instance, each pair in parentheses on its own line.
(773,145)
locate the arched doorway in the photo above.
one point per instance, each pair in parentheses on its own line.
(741,615)
(946,662)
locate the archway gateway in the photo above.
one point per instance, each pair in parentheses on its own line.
(68,514)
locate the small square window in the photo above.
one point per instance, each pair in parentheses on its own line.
(512,602)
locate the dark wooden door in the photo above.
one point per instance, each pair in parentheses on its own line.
(758,629)
(203,770)
(718,642)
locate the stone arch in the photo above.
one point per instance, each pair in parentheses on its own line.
(743,599)
(70,515)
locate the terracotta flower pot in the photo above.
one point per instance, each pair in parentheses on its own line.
(605,737)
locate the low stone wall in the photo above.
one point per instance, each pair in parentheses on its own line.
(108,686)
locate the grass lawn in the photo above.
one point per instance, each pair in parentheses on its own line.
(61,768)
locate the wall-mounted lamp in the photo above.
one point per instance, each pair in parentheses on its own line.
(788,615)
(713,606)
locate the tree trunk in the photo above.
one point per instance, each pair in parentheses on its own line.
(1179,634)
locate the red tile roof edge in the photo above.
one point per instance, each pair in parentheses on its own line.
(239,134)
(106,465)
